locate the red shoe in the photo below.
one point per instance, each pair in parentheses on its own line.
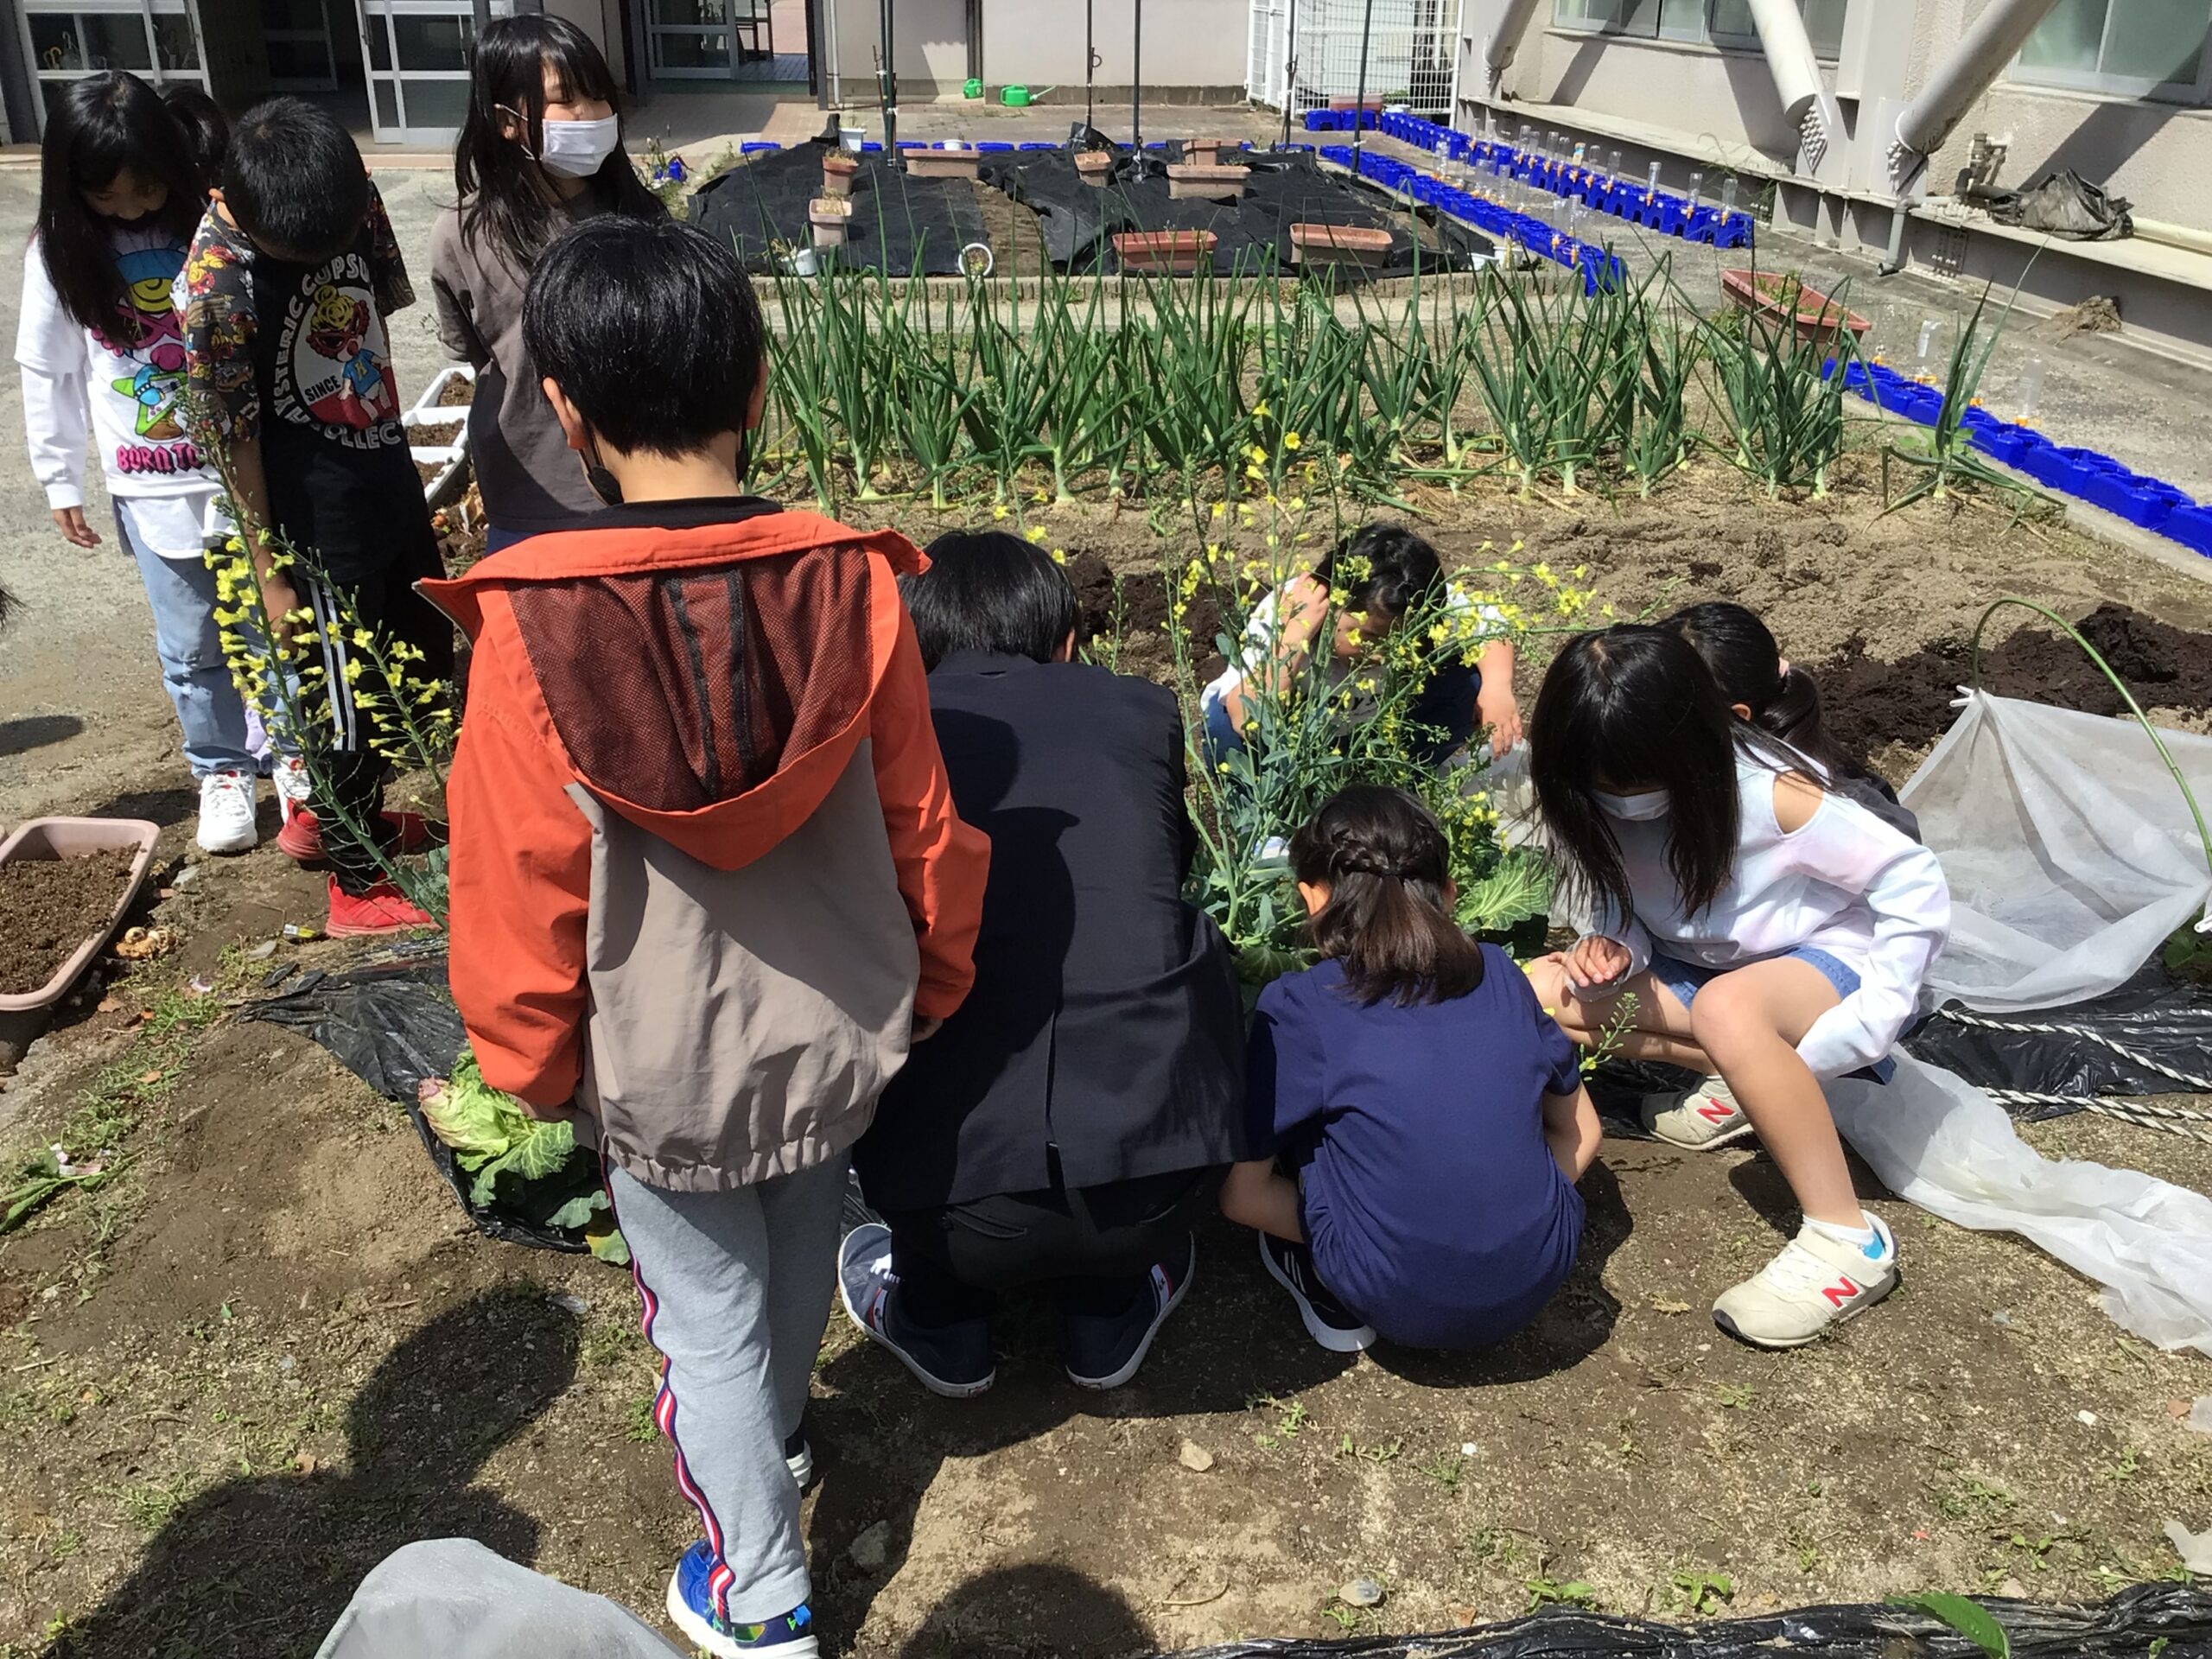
(382,909)
(300,839)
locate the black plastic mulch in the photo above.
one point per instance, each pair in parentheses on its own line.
(900,224)
(1285,188)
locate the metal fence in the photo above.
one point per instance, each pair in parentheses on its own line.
(1412,52)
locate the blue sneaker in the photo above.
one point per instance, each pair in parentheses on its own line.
(691,1609)
(1105,1353)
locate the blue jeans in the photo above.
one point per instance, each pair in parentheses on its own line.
(190,647)
(1686,979)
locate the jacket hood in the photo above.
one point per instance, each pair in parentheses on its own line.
(708,682)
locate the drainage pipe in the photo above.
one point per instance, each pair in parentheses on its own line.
(1505,41)
(1797,71)
(1981,54)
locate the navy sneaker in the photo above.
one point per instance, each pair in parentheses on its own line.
(798,1458)
(1105,1353)
(954,1361)
(691,1609)
(1328,1321)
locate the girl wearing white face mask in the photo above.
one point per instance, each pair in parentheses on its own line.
(541,147)
(1772,934)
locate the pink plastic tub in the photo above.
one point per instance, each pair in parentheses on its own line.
(75,838)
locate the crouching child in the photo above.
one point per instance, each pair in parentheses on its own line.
(707,881)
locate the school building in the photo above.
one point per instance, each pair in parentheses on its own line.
(1876,124)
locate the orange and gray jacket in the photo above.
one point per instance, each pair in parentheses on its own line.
(705,865)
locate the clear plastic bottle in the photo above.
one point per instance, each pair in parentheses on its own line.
(1651,181)
(1727,198)
(1924,356)
(1697,191)
(2030,390)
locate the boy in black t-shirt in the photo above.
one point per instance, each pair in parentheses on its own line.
(286,290)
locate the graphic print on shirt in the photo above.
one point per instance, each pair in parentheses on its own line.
(334,368)
(147,369)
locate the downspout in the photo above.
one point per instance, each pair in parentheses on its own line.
(1789,59)
(837,59)
(1503,41)
(1983,52)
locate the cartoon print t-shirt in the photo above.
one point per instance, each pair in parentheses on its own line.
(300,348)
(131,376)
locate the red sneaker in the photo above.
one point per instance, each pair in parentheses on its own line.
(300,839)
(382,909)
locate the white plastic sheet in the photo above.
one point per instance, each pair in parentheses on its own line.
(2072,856)
(1941,1143)
(2071,852)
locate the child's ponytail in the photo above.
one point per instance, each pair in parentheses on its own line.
(1784,699)
(1388,921)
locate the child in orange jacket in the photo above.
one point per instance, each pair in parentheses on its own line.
(707,881)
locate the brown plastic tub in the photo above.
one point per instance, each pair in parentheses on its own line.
(1339,244)
(77,838)
(1815,316)
(1192,181)
(1164,253)
(944,163)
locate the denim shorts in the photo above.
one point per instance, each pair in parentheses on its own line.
(1685,979)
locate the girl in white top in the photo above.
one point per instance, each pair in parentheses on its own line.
(1772,934)
(102,352)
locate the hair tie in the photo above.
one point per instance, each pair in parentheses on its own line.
(1360,863)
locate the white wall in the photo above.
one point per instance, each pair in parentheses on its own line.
(1186,42)
(929,46)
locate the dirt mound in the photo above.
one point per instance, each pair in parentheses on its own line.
(1871,703)
(1142,616)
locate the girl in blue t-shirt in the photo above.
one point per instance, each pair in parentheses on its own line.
(1424,1119)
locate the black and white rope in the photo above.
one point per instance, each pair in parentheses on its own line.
(2185,1121)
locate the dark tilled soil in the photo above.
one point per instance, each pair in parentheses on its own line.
(46,907)
(430,471)
(1868,702)
(434,436)
(458,394)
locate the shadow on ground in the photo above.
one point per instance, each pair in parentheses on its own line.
(264,1565)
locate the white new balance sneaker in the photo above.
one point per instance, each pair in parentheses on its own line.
(1699,1118)
(1818,1281)
(227,813)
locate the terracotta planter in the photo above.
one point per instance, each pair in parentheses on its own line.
(1768,294)
(1190,182)
(43,838)
(1095,167)
(1164,253)
(1345,105)
(942,163)
(1211,152)
(837,173)
(831,220)
(1325,246)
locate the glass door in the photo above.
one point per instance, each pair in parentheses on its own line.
(418,56)
(692,39)
(297,36)
(67,40)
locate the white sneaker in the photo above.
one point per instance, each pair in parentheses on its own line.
(289,773)
(1818,1281)
(1698,1118)
(227,800)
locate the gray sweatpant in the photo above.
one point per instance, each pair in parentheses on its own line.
(735,1288)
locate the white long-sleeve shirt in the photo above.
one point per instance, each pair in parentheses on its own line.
(1844,882)
(127,399)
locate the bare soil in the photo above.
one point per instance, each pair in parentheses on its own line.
(434,434)
(47,906)
(460,392)
(270,1349)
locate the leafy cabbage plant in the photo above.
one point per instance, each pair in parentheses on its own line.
(525,1167)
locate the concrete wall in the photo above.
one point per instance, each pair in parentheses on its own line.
(602,20)
(929,49)
(1186,42)
(2159,156)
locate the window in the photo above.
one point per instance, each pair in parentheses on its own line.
(2137,49)
(1719,22)
(67,40)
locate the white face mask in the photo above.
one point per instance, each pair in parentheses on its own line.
(577,148)
(1633,808)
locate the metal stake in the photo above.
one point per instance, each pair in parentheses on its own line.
(1359,100)
(1090,64)
(1289,71)
(886,90)
(1136,81)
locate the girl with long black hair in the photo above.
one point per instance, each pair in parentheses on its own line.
(541,147)
(1771,932)
(122,186)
